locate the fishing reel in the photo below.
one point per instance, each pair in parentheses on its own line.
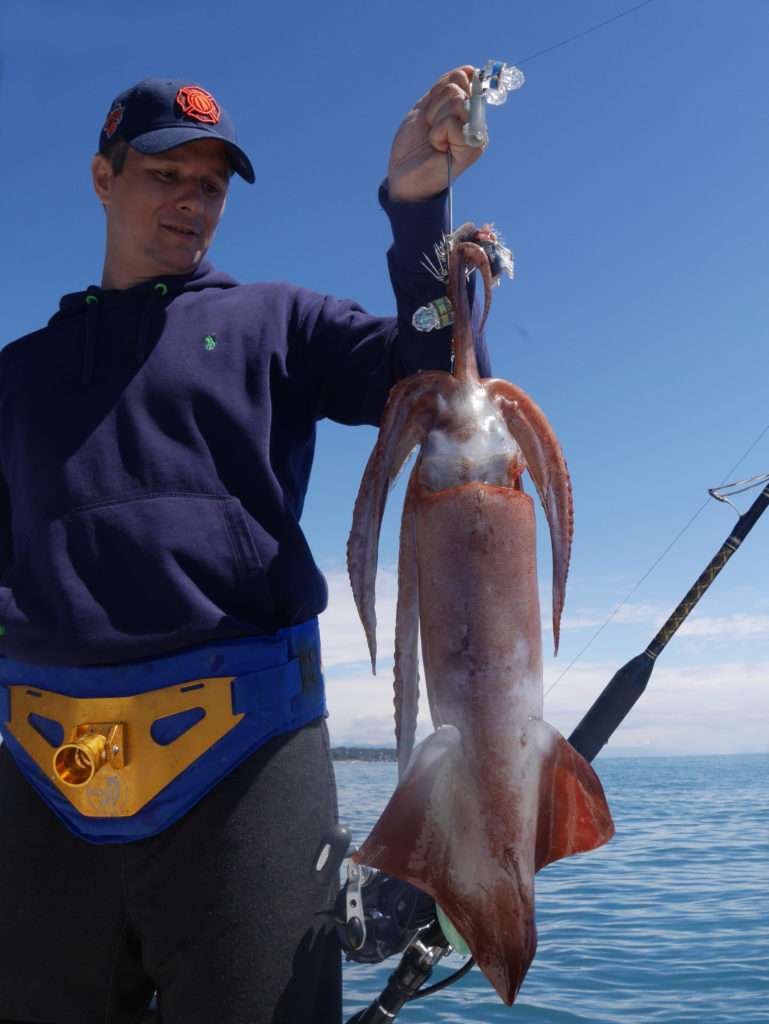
(377,916)
(490,84)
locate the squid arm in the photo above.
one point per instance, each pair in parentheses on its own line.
(406,673)
(406,420)
(544,457)
(465,364)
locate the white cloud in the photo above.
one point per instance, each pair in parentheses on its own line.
(716,708)
(735,625)
(727,625)
(628,614)
(344,641)
(361,704)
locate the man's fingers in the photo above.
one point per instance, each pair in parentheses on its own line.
(417,167)
(459,76)
(447,104)
(448,133)
(456,81)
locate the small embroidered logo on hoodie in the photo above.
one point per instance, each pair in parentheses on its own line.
(210,342)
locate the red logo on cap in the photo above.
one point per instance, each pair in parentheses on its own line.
(198,104)
(114,118)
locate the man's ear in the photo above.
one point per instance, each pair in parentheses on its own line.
(103,176)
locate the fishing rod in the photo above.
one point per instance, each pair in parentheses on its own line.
(628,684)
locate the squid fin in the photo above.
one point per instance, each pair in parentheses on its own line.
(573,814)
(432,834)
(479,867)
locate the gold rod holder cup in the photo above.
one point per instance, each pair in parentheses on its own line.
(75,763)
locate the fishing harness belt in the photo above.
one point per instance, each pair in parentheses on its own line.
(125,766)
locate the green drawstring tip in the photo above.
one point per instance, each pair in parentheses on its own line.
(210,342)
(162,288)
(452,935)
(90,299)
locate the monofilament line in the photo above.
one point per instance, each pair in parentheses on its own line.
(451,190)
(581,35)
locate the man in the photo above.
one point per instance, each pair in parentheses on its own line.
(165,776)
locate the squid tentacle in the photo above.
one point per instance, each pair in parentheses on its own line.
(547,465)
(465,365)
(406,681)
(407,419)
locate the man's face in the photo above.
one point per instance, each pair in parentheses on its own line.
(162,210)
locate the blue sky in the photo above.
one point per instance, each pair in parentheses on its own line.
(628,176)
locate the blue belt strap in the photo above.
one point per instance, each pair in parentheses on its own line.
(281,690)
(268,693)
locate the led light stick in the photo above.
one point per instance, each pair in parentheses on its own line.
(490,84)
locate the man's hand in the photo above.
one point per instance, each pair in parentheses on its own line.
(418,165)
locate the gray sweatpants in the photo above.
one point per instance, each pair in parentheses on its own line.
(219,913)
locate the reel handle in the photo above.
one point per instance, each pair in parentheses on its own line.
(330,854)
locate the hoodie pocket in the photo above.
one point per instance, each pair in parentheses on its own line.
(148,565)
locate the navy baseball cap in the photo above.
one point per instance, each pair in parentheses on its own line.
(158,114)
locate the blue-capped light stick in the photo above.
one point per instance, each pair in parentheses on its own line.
(490,84)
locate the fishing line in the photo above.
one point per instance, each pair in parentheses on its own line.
(654,565)
(526,60)
(585,32)
(450,186)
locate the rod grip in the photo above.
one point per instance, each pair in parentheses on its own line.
(611,707)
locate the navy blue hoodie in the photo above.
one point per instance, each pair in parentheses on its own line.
(156,445)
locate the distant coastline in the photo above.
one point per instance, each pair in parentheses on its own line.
(364,754)
(389,754)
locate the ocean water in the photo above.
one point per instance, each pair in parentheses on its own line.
(668,923)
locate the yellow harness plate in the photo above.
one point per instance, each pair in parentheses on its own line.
(135,767)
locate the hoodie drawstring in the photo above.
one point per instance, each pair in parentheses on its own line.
(153,304)
(147,322)
(91,335)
